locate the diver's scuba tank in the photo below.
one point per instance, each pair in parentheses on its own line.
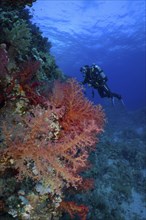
(103,76)
(99,74)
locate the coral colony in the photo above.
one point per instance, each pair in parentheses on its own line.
(46,133)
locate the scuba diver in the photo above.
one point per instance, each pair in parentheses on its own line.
(95,77)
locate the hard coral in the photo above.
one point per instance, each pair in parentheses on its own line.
(54,142)
(18,37)
(16,3)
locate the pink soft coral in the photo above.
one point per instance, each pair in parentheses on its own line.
(55,141)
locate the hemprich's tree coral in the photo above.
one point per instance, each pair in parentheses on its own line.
(54,142)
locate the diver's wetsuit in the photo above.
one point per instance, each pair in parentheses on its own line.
(104,91)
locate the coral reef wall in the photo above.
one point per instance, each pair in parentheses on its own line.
(48,128)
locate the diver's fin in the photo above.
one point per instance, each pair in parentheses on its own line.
(122,102)
(113,101)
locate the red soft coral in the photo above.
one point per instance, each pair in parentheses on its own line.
(22,85)
(25,80)
(55,141)
(72,208)
(79,111)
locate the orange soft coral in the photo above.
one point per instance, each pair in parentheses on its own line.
(55,141)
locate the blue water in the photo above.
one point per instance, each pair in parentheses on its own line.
(109,33)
